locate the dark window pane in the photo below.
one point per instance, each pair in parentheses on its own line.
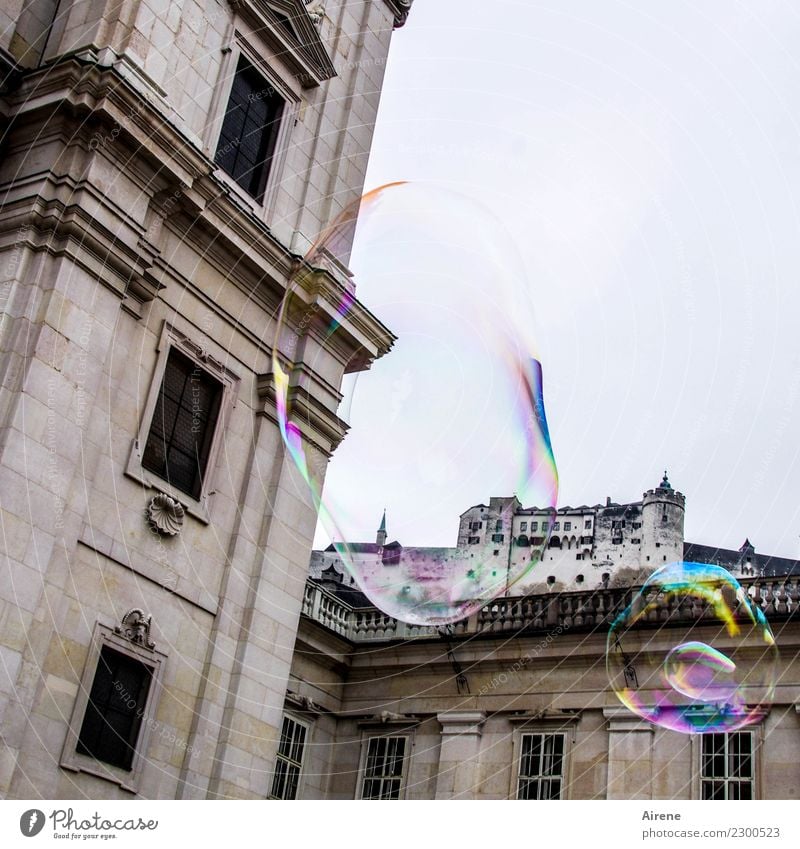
(249,129)
(183,424)
(288,765)
(114,712)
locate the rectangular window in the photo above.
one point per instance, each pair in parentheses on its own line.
(497,537)
(249,129)
(544,526)
(523,526)
(383,770)
(726,769)
(637,525)
(113,716)
(636,541)
(183,424)
(541,766)
(587,525)
(556,526)
(475,526)
(289,762)
(499,525)
(567,526)
(473,540)
(535,526)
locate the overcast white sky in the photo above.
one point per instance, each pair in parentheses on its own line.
(646,157)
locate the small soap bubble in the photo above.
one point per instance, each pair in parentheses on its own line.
(692,652)
(455,407)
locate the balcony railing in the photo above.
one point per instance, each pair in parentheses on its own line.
(778,598)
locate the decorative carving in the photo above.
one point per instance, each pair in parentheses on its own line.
(165,515)
(401,8)
(136,628)
(316,11)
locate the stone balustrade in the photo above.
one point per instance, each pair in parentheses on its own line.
(778,598)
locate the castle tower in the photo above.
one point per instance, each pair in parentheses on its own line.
(663,513)
(380,539)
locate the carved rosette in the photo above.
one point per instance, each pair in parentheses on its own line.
(165,515)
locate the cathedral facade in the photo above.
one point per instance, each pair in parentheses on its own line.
(165,168)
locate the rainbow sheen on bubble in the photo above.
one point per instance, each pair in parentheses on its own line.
(452,415)
(693,652)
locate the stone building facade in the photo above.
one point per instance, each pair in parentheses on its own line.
(515,703)
(165,167)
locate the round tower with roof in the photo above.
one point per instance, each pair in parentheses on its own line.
(663,513)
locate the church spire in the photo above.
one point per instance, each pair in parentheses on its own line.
(381,537)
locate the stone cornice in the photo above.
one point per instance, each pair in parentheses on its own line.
(400,10)
(208,214)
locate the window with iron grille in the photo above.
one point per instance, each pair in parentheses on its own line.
(498,537)
(383,770)
(541,766)
(113,717)
(249,129)
(726,770)
(183,425)
(289,763)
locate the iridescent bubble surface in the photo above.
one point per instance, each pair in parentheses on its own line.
(452,415)
(692,652)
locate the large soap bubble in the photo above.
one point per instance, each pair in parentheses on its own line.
(693,652)
(452,415)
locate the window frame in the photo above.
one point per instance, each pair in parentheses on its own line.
(755,734)
(308,726)
(170,338)
(71,759)
(240,47)
(560,778)
(559,722)
(362,772)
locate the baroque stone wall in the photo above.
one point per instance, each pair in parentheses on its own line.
(118,236)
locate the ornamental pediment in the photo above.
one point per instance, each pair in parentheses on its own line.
(290,29)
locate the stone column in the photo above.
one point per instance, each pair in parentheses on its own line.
(630,755)
(458,757)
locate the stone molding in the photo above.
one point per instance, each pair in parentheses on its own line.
(461,722)
(300,46)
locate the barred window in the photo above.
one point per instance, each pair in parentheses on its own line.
(727,766)
(183,425)
(113,717)
(541,766)
(249,129)
(289,763)
(383,771)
